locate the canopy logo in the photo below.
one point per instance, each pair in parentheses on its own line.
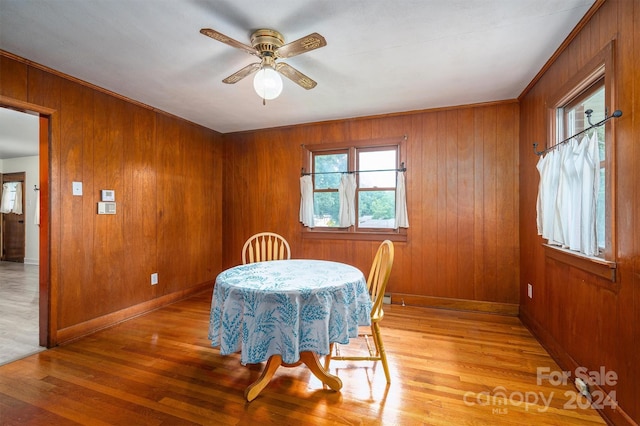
(590,395)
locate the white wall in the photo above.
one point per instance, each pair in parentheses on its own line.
(30,166)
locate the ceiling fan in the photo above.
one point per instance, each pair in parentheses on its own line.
(269,46)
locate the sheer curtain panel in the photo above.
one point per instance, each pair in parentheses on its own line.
(567,194)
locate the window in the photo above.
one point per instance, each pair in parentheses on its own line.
(572,119)
(9,202)
(587,98)
(376,193)
(327,171)
(366,173)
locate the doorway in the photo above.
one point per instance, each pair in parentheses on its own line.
(23,162)
(12,230)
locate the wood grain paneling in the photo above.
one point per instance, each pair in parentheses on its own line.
(189,216)
(583,319)
(462,192)
(77,231)
(13,78)
(167,177)
(139,201)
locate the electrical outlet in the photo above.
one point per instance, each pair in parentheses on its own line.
(530,290)
(154,278)
(582,387)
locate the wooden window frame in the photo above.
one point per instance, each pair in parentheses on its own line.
(354,232)
(602,65)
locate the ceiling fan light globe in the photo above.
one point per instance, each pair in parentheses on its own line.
(267,83)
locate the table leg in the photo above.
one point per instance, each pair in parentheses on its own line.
(269,370)
(310,359)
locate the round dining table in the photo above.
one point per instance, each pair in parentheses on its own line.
(287,312)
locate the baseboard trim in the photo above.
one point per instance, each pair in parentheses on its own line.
(566,362)
(76,331)
(508,309)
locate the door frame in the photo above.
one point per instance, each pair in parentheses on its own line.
(47,289)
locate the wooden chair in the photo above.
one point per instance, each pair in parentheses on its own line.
(376,283)
(265,246)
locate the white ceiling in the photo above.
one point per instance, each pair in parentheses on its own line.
(381,56)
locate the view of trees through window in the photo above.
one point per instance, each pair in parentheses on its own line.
(328,170)
(376,188)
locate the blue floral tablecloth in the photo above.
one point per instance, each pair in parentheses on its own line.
(286,307)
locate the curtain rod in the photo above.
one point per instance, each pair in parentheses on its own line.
(617,113)
(401,169)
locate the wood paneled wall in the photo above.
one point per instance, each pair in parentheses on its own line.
(582,319)
(462,196)
(167,178)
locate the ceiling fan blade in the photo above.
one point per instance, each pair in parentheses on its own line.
(296,76)
(228,40)
(305,44)
(244,72)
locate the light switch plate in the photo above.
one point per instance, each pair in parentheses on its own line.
(76,188)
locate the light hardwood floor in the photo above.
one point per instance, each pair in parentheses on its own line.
(447,367)
(18,311)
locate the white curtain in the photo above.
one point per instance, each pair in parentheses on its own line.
(7,204)
(347,200)
(36,216)
(567,194)
(17,204)
(402,218)
(590,188)
(306,201)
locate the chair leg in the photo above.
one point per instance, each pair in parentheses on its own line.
(377,339)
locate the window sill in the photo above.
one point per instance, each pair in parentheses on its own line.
(602,268)
(308,234)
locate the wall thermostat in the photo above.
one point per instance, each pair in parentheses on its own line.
(106,208)
(108,195)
